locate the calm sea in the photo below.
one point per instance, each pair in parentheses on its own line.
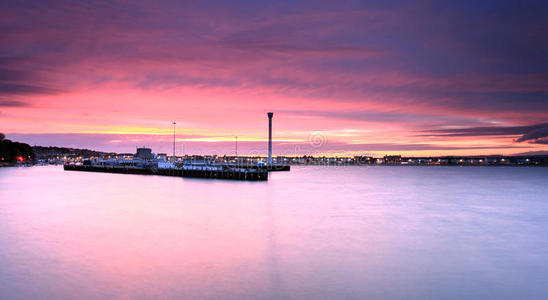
(312,233)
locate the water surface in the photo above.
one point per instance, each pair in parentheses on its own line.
(315,232)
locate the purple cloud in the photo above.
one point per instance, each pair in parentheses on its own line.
(534,134)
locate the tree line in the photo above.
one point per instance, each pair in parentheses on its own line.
(14,151)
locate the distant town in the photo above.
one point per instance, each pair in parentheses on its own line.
(17,154)
(59,155)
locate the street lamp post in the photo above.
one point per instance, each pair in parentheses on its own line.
(174,123)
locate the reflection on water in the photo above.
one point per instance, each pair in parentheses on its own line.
(314,232)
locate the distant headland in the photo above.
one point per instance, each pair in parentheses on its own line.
(14,152)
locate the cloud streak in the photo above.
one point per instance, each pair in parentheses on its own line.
(12,103)
(186,144)
(534,134)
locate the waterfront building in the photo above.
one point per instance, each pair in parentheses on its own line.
(144,153)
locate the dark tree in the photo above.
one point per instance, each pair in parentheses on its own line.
(14,151)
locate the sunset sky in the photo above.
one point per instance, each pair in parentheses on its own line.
(342,77)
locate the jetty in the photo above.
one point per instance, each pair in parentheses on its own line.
(144,162)
(256,173)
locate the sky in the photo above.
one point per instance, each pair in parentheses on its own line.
(342,77)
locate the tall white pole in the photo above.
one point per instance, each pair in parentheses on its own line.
(270,114)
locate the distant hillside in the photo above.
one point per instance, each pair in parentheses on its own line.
(51,152)
(14,151)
